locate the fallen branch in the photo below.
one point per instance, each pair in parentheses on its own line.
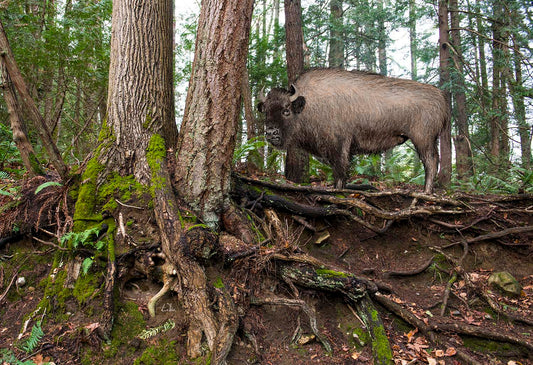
(492,235)
(401,214)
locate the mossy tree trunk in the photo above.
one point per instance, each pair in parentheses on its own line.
(140,94)
(8,60)
(27,153)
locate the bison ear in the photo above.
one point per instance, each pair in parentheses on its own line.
(298,104)
(261,107)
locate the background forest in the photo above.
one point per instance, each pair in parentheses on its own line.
(62,49)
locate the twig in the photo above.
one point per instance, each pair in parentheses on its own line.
(50,244)
(128,206)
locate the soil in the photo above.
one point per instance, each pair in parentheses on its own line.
(280,334)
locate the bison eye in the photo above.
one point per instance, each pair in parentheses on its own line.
(286,112)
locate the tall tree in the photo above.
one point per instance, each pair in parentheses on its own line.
(140,96)
(18,127)
(297,161)
(336,34)
(205,150)
(445,172)
(208,132)
(499,134)
(463,153)
(517,89)
(14,74)
(413,39)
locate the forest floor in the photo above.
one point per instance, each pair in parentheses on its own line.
(420,263)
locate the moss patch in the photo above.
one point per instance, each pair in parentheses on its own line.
(129,322)
(163,353)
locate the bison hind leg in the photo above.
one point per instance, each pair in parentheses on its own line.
(430,158)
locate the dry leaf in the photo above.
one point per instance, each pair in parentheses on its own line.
(451,351)
(431,361)
(411,334)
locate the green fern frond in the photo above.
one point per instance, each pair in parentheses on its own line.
(35,337)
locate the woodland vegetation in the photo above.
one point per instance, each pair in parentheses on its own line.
(144,218)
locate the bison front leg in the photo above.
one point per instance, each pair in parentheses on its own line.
(341,164)
(430,159)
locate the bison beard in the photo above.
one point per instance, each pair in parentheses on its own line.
(335,114)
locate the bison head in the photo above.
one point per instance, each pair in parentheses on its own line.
(281,107)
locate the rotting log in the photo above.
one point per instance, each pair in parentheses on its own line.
(355,289)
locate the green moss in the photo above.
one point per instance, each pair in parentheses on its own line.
(123,186)
(219,284)
(85,209)
(331,273)
(161,354)
(129,322)
(496,348)
(85,287)
(381,347)
(155,154)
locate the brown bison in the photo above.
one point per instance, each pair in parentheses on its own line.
(335,114)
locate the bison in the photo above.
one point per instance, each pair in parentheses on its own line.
(335,114)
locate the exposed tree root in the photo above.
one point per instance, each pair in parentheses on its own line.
(310,312)
(355,290)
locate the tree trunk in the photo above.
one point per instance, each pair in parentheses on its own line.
(499,146)
(207,136)
(27,154)
(445,172)
(463,153)
(19,84)
(336,35)
(297,161)
(382,39)
(413,43)
(140,100)
(519,106)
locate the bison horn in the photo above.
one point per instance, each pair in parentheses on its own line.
(294,93)
(261,96)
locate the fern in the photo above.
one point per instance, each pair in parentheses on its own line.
(35,337)
(151,332)
(47,184)
(85,238)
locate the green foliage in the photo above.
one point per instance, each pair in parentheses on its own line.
(154,331)
(45,185)
(85,238)
(249,146)
(8,357)
(9,154)
(35,337)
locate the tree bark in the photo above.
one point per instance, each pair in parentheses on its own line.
(27,154)
(297,161)
(336,35)
(413,43)
(19,84)
(499,139)
(445,172)
(463,153)
(140,96)
(207,136)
